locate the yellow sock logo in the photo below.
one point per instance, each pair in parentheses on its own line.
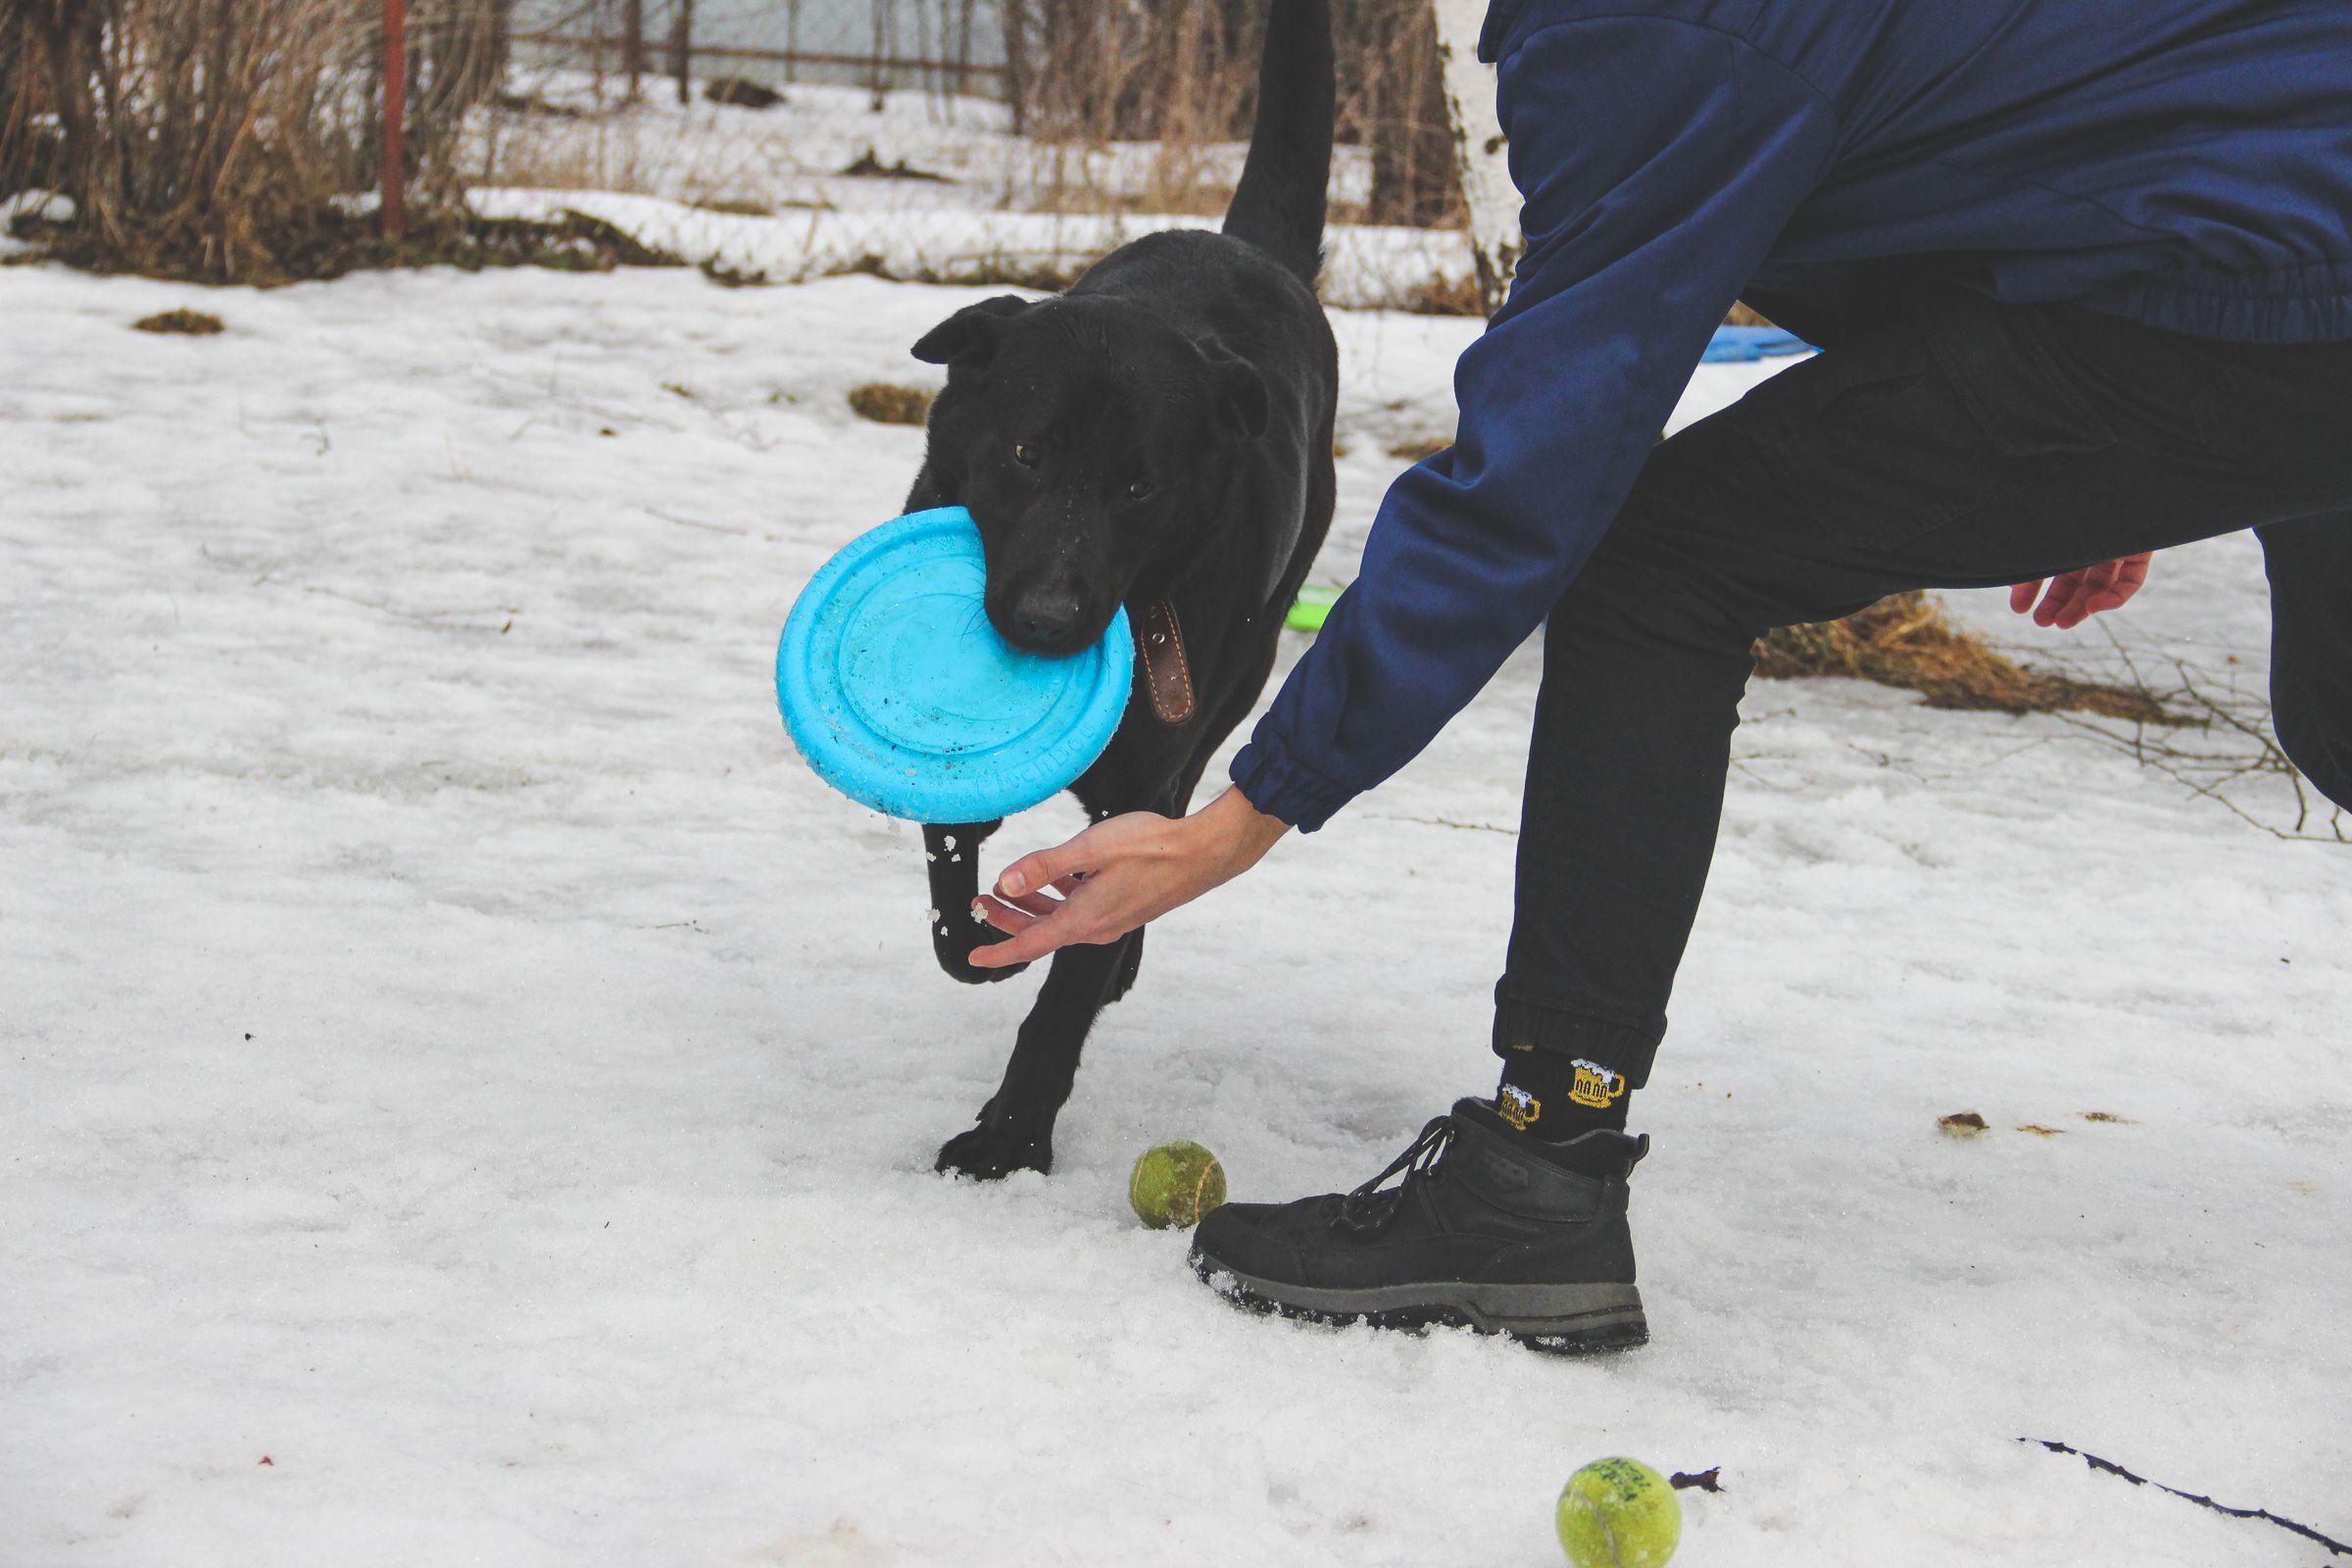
(1518,1106)
(1596,1086)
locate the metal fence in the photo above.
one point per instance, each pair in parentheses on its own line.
(950,140)
(954,46)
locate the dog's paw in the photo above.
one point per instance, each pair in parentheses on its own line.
(954,954)
(991,1153)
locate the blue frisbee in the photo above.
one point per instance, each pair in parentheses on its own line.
(902,697)
(1745,344)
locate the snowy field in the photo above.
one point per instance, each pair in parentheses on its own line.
(468,1092)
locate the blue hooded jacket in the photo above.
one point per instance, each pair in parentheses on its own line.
(2182,163)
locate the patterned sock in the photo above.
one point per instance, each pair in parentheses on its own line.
(1557,1097)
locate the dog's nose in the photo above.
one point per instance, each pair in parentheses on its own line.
(1047,619)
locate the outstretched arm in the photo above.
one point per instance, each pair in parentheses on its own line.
(1659,161)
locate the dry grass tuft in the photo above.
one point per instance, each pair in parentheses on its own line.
(885,403)
(868,164)
(742,92)
(734,206)
(1962,1124)
(337,244)
(1908,641)
(179,323)
(1201,199)
(1443,296)
(1045,273)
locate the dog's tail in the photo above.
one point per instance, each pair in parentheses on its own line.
(1278,206)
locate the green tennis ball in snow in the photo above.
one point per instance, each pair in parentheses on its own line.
(1619,1513)
(1174,1185)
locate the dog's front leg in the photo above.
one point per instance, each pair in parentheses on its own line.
(952,859)
(1016,1131)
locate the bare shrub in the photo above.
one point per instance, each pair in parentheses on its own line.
(1392,100)
(219,142)
(1180,73)
(1183,75)
(2227,751)
(29,135)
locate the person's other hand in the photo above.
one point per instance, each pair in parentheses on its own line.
(2078,596)
(1118,874)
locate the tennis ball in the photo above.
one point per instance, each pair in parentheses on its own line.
(1174,1185)
(1619,1513)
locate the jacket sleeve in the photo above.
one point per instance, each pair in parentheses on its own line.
(1659,162)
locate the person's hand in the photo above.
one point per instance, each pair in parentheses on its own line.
(2078,596)
(1118,874)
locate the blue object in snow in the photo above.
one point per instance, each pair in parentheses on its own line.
(1737,345)
(902,697)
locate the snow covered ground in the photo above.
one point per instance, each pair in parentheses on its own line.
(468,1092)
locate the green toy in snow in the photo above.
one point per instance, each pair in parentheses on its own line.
(1312,608)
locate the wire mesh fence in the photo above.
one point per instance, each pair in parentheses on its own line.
(953,141)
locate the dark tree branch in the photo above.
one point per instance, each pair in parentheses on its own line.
(2334,1547)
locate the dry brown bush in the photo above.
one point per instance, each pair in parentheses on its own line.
(1908,641)
(1183,75)
(221,140)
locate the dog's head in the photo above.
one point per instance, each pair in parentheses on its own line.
(1086,437)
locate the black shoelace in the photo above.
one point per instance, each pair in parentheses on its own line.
(1368,1208)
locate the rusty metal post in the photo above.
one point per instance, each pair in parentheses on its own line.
(632,44)
(681,48)
(396,111)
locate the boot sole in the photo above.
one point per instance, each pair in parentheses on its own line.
(1557,1319)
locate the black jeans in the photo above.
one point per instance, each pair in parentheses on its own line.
(1966,445)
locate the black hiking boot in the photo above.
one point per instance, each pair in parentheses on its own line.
(1491,1229)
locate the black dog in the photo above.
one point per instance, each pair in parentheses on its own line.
(1158,436)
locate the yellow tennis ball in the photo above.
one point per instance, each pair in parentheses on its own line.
(1174,1185)
(1619,1513)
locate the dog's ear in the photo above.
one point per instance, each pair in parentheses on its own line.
(1239,390)
(969,337)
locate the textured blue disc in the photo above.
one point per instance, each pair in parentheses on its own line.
(902,697)
(1733,345)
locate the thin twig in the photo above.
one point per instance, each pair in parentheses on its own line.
(2335,1547)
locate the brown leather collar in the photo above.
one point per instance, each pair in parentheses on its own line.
(1167,673)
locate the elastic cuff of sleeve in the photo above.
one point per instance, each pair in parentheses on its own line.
(1282,788)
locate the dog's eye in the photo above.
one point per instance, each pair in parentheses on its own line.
(1137,489)
(1024,454)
